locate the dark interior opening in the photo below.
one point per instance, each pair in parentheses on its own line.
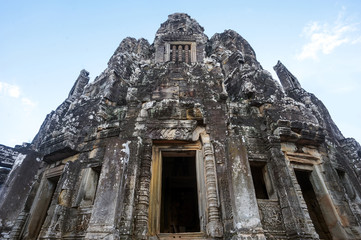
(313,206)
(97,170)
(179,204)
(42,206)
(258,182)
(341,175)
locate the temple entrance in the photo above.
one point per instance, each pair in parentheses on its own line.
(179,201)
(178,197)
(40,209)
(313,206)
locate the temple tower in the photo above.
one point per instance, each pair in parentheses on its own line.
(185,138)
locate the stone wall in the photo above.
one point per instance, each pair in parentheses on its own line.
(8,156)
(101,150)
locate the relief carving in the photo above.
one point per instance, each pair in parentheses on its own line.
(141,220)
(271,217)
(214,226)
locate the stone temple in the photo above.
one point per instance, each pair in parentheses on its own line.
(185,138)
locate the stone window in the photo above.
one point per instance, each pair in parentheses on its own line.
(88,187)
(180,52)
(262,183)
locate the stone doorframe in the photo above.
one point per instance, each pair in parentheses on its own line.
(208,197)
(313,165)
(39,210)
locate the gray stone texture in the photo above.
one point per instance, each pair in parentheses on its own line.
(89,171)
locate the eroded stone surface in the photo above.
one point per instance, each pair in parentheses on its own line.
(187,93)
(7,158)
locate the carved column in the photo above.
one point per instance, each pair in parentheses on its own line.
(174,53)
(141,219)
(19,223)
(167,52)
(186,53)
(193,52)
(214,225)
(180,49)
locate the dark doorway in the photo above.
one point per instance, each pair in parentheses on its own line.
(313,206)
(40,212)
(258,181)
(179,204)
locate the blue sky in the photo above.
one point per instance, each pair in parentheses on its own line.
(45,44)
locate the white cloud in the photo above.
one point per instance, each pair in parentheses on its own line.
(324,38)
(9,90)
(28,102)
(13,91)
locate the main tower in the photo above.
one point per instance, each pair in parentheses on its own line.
(188,138)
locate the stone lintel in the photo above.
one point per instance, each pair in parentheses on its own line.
(59,154)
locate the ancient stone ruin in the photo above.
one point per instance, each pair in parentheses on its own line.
(185,138)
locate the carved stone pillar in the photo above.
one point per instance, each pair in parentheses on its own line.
(142,208)
(186,53)
(174,53)
(180,50)
(166,52)
(193,52)
(20,221)
(214,225)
